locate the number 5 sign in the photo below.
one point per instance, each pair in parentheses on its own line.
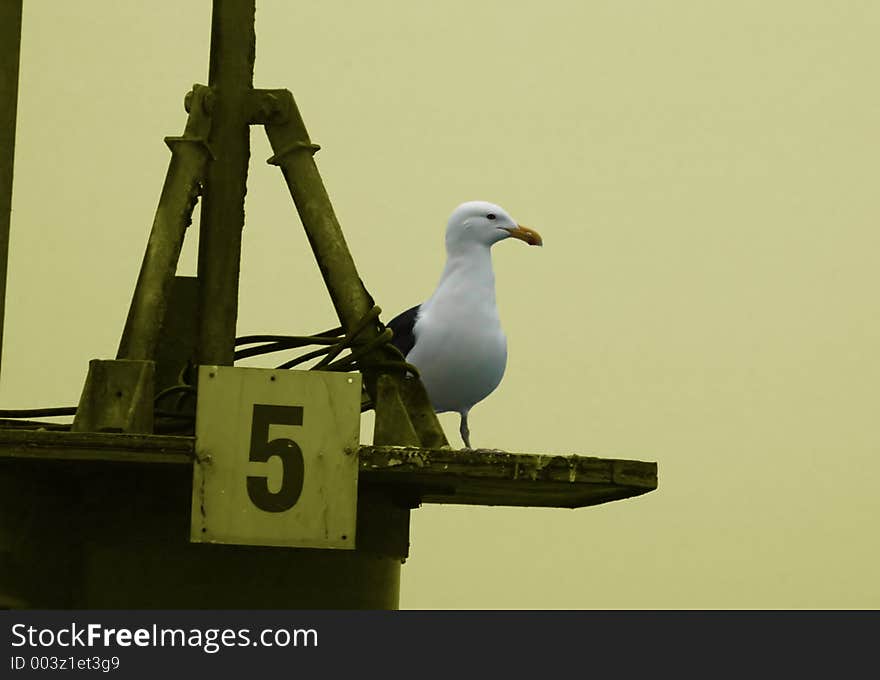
(277,457)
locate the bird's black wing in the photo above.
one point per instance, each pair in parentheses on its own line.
(403,324)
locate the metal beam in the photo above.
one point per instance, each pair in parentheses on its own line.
(410,475)
(293,154)
(231,76)
(10,44)
(183,183)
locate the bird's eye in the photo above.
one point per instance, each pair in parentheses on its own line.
(490,216)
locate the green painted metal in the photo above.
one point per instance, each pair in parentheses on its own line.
(10,42)
(293,151)
(99,520)
(183,182)
(130,549)
(90,520)
(176,350)
(117,397)
(105,536)
(231,77)
(293,154)
(394,426)
(411,475)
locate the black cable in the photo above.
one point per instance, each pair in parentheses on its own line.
(38,412)
(158,413)
(332,335)
(334,341)
(168,391)
(314,354)
(278,343)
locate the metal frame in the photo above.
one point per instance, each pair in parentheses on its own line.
(96,518)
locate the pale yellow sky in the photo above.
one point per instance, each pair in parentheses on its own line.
(704,177)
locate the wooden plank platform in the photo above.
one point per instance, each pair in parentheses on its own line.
(413,475)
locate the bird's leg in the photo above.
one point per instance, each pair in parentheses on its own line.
(465,432)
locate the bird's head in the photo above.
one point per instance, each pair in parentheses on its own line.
(479,222)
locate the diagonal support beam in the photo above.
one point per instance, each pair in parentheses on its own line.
(183,182)
(118,395)
(293,151)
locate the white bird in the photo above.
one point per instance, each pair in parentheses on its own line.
(454,338)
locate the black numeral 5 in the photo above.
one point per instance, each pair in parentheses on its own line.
(293,466)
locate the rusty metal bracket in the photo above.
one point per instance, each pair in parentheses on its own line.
(117,397)
(278,158)
(268,106)
(198,103)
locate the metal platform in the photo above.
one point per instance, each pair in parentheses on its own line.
(411,475)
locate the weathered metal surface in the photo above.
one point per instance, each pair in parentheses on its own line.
(24,425)
(231,76)
(293,151)
(102,535)
(421,413)
(176,349)
(10,42)
(408,475)
(393,424)
(117,397)
(489,477)
(49,445)
(180,192)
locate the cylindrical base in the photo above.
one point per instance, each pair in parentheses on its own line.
(115,536)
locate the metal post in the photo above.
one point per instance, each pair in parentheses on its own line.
(10,43)
(183,182)
(231,76)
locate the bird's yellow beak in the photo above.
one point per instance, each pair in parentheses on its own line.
(530,236)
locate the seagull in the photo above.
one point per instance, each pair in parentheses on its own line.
(454,339)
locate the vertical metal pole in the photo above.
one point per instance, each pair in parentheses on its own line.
(10,43)
(304,578)
(231,76)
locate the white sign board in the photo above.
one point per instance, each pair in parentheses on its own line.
(277,457)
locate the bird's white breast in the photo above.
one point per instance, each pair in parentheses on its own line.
(460,349)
